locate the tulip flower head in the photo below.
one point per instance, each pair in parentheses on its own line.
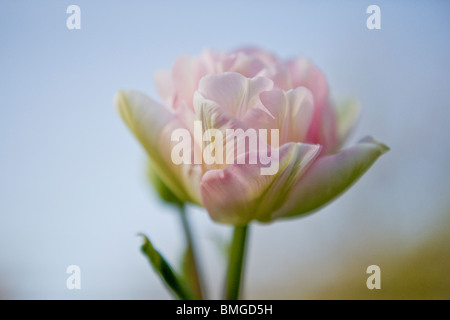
(248,136)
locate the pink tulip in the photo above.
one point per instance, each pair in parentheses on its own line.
(251,88)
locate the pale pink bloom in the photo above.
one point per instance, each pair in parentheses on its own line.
(251,88)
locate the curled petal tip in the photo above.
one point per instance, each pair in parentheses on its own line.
(381,146)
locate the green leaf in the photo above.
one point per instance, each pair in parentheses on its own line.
(163,269)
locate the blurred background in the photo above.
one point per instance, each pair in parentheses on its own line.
(73,188)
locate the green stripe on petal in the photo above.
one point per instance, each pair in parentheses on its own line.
(330,176)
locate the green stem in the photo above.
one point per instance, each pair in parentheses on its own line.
(235,267)
(195,278)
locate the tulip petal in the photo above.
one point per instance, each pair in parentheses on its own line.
(213,116)
(347,115)
(153,124)
(292,111)
(329,176)
(279,73)
(234,92)
(186,74)
(187,71)
(264,56)
(246,65)
(240,194)
(218,62)
(303,73)
(323,130)
(164,87)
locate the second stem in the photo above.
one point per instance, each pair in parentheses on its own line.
(235,268)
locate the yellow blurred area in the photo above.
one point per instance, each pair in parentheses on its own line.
(409,270)
(421,273)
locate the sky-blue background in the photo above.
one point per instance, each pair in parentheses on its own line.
(72,184)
